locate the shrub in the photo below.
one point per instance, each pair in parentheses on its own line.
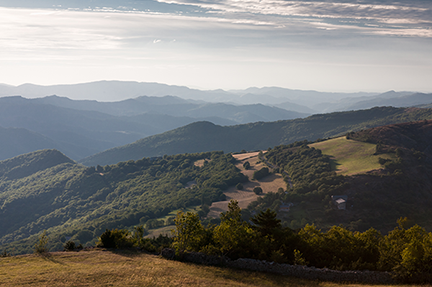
(115,239)
(261,173)
(41,245)
(239,186)
(5,254)
(246,165)
(258,190)
(69,246)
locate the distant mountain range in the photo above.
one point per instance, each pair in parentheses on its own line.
(83,128)
(294,100)
(63,118)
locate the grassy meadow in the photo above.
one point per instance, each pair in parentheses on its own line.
(106,268)
(350,156)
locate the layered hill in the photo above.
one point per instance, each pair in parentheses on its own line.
(289,99)
(83,128)
(205,136)
(16,141)
(391,98)
(27,164)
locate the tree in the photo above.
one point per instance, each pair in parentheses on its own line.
(266,222)
(263,172)
(246,165)
(41,245)
(258,190)
(233,234)
(188,233)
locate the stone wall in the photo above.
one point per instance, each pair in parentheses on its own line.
(312,273)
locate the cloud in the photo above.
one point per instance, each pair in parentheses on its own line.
(389,14)
(224,44)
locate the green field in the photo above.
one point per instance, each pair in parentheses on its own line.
(350,156)
(105,268)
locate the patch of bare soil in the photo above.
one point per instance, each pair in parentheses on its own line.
(200,162)
(242,156)
(244,197)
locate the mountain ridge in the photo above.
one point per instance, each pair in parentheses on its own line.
(254,136)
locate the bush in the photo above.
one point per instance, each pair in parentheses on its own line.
(115,239)
(258,190)
(5,254)
(69,246)
(246,165)
(239,186)
(41,245)
(261,173)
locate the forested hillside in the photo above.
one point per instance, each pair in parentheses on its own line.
(47,191)
(402,187)
(205,136)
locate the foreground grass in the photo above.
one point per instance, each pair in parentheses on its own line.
(105,268)
(350,156)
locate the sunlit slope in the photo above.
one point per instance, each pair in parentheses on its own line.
(101,268)
(350,156)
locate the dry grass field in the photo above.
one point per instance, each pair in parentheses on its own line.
(246,196)
(350,156)
(106,268)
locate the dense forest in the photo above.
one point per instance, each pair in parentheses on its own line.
(72,201)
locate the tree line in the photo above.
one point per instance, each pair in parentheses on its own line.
(405,251)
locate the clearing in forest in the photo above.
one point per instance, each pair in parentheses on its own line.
(351,157)
(245,196)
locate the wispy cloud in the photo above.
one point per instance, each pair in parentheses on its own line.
(388,14)
(223,44)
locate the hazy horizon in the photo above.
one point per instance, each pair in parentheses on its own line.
(329,46)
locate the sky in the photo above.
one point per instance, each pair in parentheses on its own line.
(333,46)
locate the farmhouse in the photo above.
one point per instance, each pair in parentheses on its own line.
(340,201)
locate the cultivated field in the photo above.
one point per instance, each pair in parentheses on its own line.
(350,156)
(106,268)
(246,196)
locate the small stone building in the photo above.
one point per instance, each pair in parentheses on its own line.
(340,201)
